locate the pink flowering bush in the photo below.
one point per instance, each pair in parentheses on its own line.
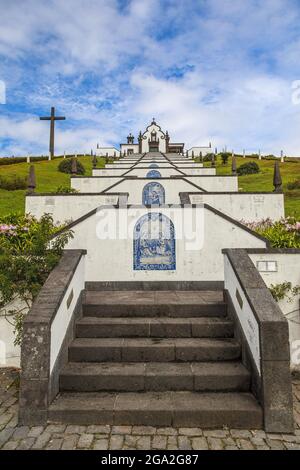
(284,233)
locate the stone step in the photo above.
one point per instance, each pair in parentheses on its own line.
(153,349)
(162,327)
(153,303)
(154,376)
(179,409)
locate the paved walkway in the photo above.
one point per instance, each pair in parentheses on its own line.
(129,437)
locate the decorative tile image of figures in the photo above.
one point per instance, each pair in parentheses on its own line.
(153,194)
(153,174)
(154,243)
(153,165)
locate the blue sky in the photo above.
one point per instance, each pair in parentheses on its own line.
(207,70)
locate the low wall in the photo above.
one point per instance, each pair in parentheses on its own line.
(198,248)
(96,184)
(263,331)
(67,207)
(47,331)
(277,267)
(247,206)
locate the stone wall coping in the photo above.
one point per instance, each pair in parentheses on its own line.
(279,251)
(77,194)
(234,193)
(46,304)
(264,307)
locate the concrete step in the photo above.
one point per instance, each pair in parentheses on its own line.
(154,376)
(205,410)
(160,327)
(153,303)
(153,349)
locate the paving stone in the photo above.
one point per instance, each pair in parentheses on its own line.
(275,444)
(41,441)
(166,431)
(85,441)
(26,444)
(274,436)
(245,444)
(199,443)
(5,418)
(147,430)
(159,442)
(184,443)
(55,428)
(143,443)
(116,442)
(172,441)
(130,441)
(257,441)
(54,444)
(216,433)
(35,431)
(100,444)
(70,442)
(21,432)
(121,429)
(5,435)
(290,438)
(240,433)
(10,445)
(190,431)
(258,433)
(292,446)
(98,429)
(231,448)
(215,443)
(75,429)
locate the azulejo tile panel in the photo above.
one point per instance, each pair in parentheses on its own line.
(153,174)
(153,194)
(154,243)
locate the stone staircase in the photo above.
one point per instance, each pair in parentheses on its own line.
(155,358)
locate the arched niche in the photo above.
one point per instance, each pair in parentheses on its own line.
(153,194)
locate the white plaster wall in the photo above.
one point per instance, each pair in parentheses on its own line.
(288,270)
(126,147)
(197,150)
(66,208)
(118,166)
(147,135)
(245,314)
(199,171)
(249,207)
(109,171)
(216,183)
(64,313)
(91,184)
(165,172)
(135,189)
(110,151)
(111,259)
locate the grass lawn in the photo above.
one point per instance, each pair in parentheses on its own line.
(48,179)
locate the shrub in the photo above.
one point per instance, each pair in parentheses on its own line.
(248,168)
(284,233)
(208,157)
(294,185)
(66,190)
(26,259)
(65,166)
(11,184)
(224,157)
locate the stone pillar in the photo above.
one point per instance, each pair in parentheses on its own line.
(31,182)
(233,165)
(94,161)
(64,154)
(244,153)
(28,159)
(201,157)
(74,166)
(259,155)
(213,159)
(193,154)
(281,156)
(49,156)
(277,180)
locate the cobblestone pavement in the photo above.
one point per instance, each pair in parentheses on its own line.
(57,436)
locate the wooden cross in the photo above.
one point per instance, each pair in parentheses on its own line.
(52,120)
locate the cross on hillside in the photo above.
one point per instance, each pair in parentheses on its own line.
(52,120)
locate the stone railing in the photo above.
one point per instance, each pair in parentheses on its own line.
(47,331)
(263,332)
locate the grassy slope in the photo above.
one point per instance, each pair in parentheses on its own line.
(49,179)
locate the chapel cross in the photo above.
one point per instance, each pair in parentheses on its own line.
(52,120)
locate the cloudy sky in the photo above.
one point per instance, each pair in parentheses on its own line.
(224,71)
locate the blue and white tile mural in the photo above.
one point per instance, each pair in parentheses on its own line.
(153,174)
(153,165)
(153,194)
(154,243)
